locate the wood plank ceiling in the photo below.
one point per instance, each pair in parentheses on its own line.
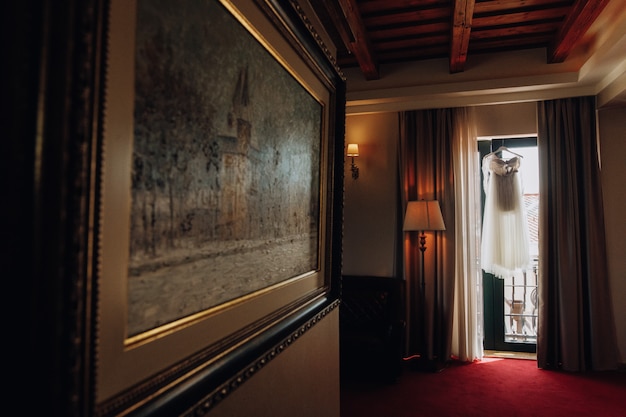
(368,33)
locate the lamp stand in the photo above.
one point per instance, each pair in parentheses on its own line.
(423,363)
(422,216)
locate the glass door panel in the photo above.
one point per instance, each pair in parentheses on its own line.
(511,303)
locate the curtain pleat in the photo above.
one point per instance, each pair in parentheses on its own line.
(467,334)
(427,144)
(576,329)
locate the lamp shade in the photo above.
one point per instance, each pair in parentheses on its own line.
(353,149)
(423,215)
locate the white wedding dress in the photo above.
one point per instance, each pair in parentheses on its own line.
(505,246)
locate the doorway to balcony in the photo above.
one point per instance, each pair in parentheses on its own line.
(510,303)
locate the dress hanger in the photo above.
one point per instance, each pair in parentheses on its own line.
(504,148)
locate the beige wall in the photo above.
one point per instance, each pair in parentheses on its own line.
(370,201)
(612,128)
(303,381)
(369,210)
(506,119)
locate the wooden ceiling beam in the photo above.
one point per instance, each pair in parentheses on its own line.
(576,24)
(370,7)
(461,28)
(360,46)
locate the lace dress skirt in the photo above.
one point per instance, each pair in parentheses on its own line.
(505,246)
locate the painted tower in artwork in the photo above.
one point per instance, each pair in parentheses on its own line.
(235,173)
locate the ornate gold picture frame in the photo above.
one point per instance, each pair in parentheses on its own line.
(217,197)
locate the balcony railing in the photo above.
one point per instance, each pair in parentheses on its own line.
(521,306)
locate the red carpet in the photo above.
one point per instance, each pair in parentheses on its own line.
(491,387)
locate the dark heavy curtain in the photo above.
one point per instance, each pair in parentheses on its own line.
(426,172)
(576,328)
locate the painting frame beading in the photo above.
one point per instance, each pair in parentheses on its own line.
(218,346)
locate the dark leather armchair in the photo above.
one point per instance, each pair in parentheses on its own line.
(372,325)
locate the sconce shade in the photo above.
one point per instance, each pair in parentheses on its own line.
(423,215)
(353,149)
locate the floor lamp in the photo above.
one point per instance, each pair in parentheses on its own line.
(421,216)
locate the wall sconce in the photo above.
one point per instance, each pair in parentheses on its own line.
(353,150)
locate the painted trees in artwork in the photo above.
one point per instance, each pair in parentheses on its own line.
(226,143)
(174,139)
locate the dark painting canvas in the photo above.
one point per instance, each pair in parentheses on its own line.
(226,163)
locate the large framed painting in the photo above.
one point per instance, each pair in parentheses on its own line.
(218,197)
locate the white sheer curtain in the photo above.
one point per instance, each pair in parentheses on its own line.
(467,325)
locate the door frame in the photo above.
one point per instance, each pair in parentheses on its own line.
(493,288)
